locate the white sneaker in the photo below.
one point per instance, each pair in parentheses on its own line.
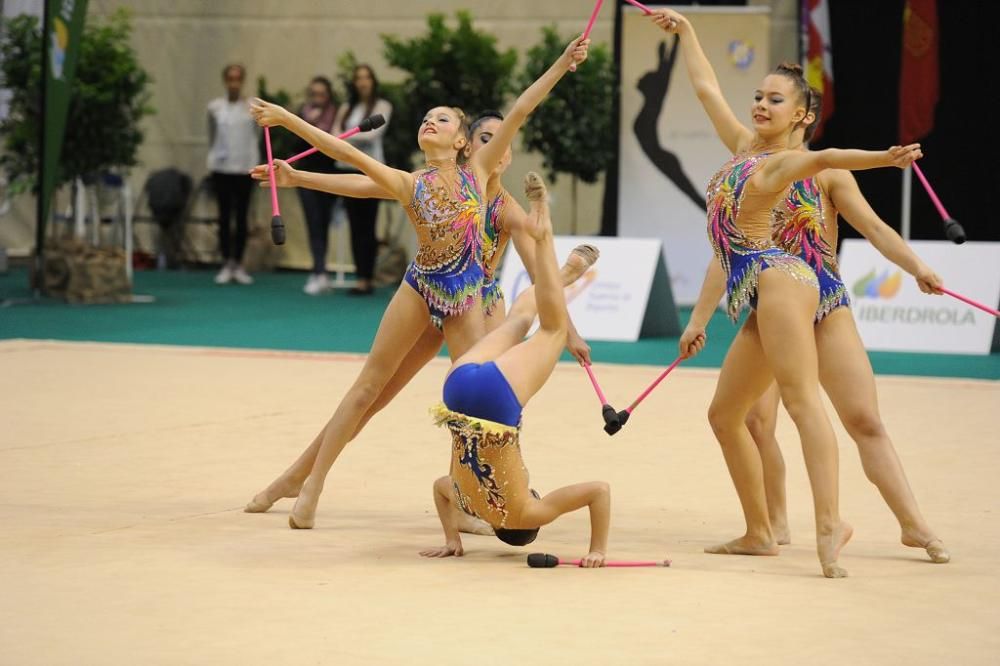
(242,276)
(317,284)
(225,276)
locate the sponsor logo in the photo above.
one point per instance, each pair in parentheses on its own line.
(741,53)
(915,315)
(873,285)
(886,285)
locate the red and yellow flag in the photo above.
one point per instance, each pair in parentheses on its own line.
(918,78)
(818,53)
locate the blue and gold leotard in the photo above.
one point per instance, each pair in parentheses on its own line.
(497,237)
(741,233)
(804,223)
(448,217)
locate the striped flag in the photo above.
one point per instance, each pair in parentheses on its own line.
(818,54)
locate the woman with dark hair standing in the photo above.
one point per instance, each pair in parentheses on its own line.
(319,110)
(363,101)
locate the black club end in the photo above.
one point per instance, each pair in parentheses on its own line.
(954,231)
(542,561)
(277,230)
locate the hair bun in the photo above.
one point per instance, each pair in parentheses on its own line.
(790,67)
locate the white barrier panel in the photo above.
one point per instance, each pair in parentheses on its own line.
(894,315)
(610,301)
(668,147)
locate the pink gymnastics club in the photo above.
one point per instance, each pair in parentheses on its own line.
(590,26)
(367,125)
(975,304)
(625,413)
(645,10)
(546,561)
(611,425)
(952,229)
(277,226)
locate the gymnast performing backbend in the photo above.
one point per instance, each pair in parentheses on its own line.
(484,394)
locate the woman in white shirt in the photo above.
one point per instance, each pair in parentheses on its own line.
(234,139)
(363,101)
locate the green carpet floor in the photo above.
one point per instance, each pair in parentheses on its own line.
(274,314)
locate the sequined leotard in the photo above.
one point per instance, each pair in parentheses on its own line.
(497,237)
(804,223)
(739,227)
(487,472)
(483,414)
(447,271)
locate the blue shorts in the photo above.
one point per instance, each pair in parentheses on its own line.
(482,392)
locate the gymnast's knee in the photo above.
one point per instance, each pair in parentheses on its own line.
(364,393)
(801,403)
(760,426)
(724,420)
(864,424)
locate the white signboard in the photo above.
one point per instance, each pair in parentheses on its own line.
(668,147)
(894,315)
(610,301)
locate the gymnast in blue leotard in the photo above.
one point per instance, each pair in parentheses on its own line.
(484,394)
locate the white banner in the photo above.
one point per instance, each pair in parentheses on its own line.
(609,302)
(668,147)
(894,315)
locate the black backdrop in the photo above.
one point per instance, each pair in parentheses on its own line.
(961,156)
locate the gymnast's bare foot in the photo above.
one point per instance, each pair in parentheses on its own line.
(539,221)
(303,514)
(745,545)
(472,525)
(265,499)
(782,535)
(935,548)
(828,545)
(580,260)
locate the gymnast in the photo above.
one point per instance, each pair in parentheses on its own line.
(484,394)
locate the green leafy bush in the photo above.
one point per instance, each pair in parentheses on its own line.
(108,100)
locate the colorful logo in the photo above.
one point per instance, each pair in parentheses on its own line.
(878,286)
(740,53)
(57,52)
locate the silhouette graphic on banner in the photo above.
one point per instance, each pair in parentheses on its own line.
(653,86)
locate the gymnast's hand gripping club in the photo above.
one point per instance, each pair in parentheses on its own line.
(546,561)
(590,26)
(277,226)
